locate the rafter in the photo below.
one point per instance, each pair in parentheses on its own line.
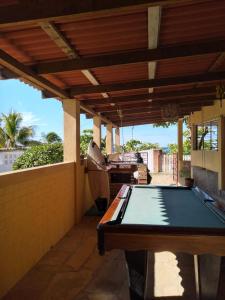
(143,119)
(217,63)
(154,22)
(59,39)
(147,55)
(6,74)
(155,108)
(152,96)
(26,12)
(130,107)
(35,80)
(152,108)
(172,81)
(25,72)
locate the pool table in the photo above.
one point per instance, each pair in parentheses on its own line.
(147,219)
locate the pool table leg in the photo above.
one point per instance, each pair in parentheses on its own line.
(210,277)
(137,264)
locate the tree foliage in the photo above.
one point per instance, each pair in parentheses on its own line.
(187,141)
(165,124)
(136,145)
(39,155)
(172,148)
(52,137)
(12,134)
(85,138)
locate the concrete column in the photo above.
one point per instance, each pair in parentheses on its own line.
(109,139)
(117,139)
(72,149)
(221,152)
(193,143)
(180,144)
(97,130)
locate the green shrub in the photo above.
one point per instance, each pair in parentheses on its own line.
(40,155)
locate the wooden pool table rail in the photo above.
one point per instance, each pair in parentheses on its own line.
(108,215)
(192,244)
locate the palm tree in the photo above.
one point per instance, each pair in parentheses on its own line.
(12,135)
(52,137)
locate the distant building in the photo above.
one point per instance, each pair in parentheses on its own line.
(7,158)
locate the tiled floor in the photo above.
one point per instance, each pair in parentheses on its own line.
(162,178)
(73,269)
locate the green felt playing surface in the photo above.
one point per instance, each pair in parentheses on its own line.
(169,206)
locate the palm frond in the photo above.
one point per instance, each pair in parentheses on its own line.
(12,123)
(24,134)
(2,138)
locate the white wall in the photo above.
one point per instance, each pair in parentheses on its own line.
(7,158)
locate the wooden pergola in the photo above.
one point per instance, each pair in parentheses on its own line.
(121,62)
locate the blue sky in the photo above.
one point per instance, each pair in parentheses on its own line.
(47,115)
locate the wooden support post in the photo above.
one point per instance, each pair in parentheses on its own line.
(109,138)
(72,148)
(193,142)
(180,145)
(221,151)
(97,130)
(117,139)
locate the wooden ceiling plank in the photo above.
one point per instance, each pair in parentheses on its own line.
(161,82)
(28,12)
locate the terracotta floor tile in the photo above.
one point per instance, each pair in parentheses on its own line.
(73,270)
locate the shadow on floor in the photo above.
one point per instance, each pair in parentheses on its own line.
(73,270)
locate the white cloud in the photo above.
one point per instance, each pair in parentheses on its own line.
(29,118)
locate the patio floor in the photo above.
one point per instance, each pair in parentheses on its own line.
(73,269)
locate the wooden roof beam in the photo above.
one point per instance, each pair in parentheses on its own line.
(153,108)
(134,107)
(152,96)
(6,74)
(93,113)
(154,21)
(157,120)
(27,12)
(147,55)
(166,82)
(29,75)
(217,63)
(145,118)
(59,39)
(37,81)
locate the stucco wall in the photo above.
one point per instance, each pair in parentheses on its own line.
(37,209)
(211,160)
